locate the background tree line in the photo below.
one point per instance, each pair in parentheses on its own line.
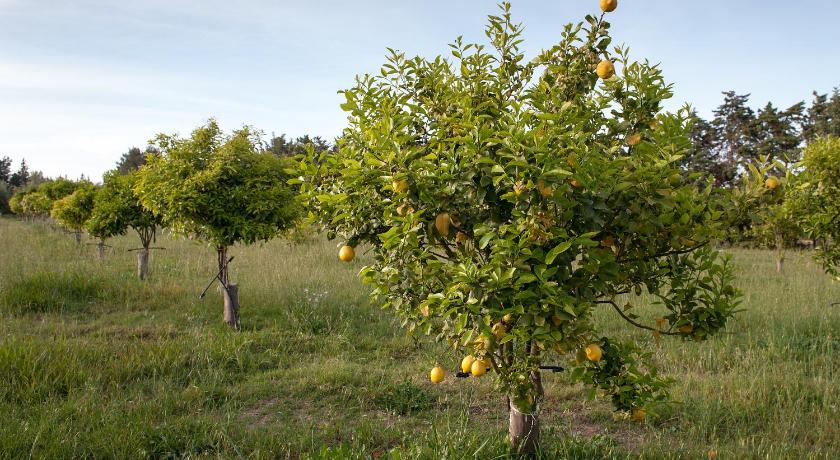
(738,135)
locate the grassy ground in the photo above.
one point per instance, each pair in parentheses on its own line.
(94,363)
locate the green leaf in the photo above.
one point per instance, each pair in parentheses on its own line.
(557,250)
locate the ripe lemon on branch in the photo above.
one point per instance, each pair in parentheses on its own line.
(437,374)
(346,253)
(608,6)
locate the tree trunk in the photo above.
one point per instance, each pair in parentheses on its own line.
(524,430)
(143,263)
(78,234)
(230,292)
(780,252)
(100,250)
(231,313)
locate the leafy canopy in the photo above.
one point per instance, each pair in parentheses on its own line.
(817,198)
(533,197)
(217,187)
(117,208)
(75,209)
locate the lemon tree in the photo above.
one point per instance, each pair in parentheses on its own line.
(509,201)
(73,211)
(220,188)
(772,215)
(116,208)
(816,198)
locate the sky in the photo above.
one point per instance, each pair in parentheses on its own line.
(82,81)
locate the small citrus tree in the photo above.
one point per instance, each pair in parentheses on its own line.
(116,209)
(774,221)
(221,189)
(817,199)
(73,211)
(508,201)
(30,204)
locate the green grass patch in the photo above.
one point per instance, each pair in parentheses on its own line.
(97,364)
(53,292)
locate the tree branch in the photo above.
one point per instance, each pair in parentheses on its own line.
(663,254)
(635,323)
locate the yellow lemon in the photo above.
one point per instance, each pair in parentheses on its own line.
(478,368)
(437,374)
(484,342)
(467,362)
(608,6)
(346,253)
(442,222)
(771,182)
(605,69)
(593,352)
(499,330)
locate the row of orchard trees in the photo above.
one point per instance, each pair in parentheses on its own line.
(506,202)
(222,189)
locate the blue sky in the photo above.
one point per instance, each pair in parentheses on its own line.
(83,80)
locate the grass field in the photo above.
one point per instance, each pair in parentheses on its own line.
(94,363)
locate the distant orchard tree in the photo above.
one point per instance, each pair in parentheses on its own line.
(59,188)
(817,198)
(31,204)
(74,210)
(773,219)
(116,209)
(221,189)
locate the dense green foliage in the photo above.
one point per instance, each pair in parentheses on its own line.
(216,187)
(772,215)
(817,199)
(31,204)
(117,208)
(508,202)
(74,210)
